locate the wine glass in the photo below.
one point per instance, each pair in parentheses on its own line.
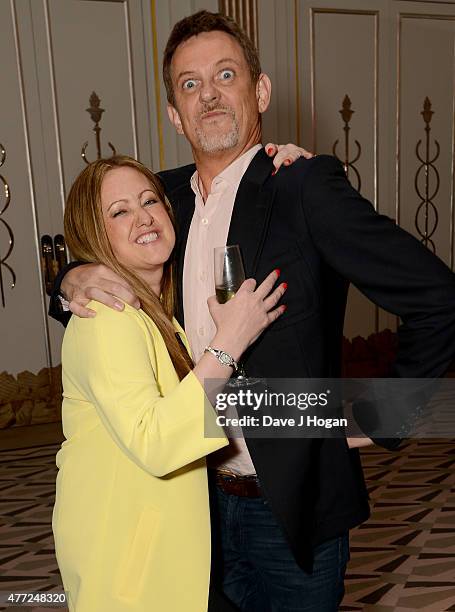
(229,275)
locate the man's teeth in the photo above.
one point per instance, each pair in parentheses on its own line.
(147,238)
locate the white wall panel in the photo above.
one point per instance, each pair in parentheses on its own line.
(175,149)
(434,79)
(23,320)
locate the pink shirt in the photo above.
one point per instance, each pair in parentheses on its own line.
(209,229)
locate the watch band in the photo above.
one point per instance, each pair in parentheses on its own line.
(223,357)
(63,302)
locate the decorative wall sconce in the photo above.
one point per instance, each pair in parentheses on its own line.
(95,112)
(9,248)
(426,218)
(346,113)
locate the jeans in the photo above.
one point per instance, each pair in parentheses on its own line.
(259,572)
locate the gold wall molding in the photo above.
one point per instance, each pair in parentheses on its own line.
(431,2)
(298,124)
(55,104)
(156,75)
(401,18)
(30,178)
(29,399)
(7,195)
(329,11)
(245,13)
(126,11)
(452,175)
(55,113)
(313,77)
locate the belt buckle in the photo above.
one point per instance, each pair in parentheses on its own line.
(226,472)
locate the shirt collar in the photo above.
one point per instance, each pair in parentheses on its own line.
(232,175)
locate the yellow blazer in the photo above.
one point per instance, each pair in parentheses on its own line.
(131,517)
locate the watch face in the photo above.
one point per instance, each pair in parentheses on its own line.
(225,358)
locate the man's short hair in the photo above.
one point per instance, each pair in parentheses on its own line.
(205,21)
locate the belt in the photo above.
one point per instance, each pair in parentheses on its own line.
(234,484)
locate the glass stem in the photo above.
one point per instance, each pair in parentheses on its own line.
(241,371)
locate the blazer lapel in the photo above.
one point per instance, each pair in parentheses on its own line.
(249,222)
(184,208)
(252,209)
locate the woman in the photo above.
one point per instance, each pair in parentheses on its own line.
(131,521)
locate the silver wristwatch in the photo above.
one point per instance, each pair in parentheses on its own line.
(223,357)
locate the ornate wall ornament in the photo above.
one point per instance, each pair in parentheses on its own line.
(427,218)
(346,114)
(95,112)
(4,187)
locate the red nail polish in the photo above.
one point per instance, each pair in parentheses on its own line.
(284,285)
(275,171)
(278,271)
(284,307)
(269,150)
(286,162)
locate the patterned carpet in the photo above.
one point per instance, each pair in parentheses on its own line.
(402,559)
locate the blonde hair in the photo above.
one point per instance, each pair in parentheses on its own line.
(88,241)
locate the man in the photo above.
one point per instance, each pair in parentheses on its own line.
(283,508)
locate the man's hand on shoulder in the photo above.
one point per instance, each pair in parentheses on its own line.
(99,283)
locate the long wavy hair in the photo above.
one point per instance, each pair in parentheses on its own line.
(88,241)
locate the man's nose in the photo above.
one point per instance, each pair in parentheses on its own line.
(209,93)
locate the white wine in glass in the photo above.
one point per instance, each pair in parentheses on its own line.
(229,272)
(224,295)
(229,276)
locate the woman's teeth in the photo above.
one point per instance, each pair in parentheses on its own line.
(147,238)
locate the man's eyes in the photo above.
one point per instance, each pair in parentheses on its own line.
(189,84)
(226,75)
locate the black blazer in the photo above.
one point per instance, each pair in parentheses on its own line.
(308,221)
